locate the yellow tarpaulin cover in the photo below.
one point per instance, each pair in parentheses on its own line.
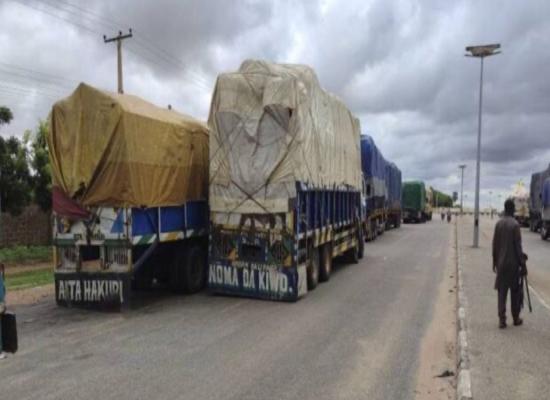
(118,150)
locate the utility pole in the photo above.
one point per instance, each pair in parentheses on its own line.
(118,39)
(480,52)
(462,166)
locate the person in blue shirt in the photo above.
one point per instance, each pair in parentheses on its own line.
(2,306)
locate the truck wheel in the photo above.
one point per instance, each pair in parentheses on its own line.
(175,278)
(326,263)
(313,269)
(374,230)
(352,255)
(188,269)
(361,244)
(194,273)
(544,232)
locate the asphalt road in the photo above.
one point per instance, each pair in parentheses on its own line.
(356,337)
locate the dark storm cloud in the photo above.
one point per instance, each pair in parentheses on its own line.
(399,66)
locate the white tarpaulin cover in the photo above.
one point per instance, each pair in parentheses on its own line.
(271,126)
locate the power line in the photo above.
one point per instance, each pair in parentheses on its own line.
(20,2)
(19,91)
(38,74)
(142,42)
(26,80)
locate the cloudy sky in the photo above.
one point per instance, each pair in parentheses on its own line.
(398,65)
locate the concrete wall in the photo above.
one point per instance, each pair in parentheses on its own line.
(32,227)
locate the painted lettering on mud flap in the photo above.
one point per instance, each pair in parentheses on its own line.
(254,277)
(89,290)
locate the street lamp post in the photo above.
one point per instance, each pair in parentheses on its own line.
(480,52)
(462,188)
(491,203)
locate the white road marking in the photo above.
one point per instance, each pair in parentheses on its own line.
(539,297)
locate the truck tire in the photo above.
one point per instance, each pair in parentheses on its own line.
(313,268)
(188,269)
(544,232)
(175,279)
(194,275)
(352,255)
(326,263)
(361,244)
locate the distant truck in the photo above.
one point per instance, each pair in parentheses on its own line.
(521,213)
(382,190)
(535,199)
(394,186)
(545,210)
(285,182)
(130,186)
(414,202)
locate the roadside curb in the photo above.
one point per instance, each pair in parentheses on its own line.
(464,385)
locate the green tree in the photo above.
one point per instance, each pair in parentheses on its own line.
(5,115)
(15,178)
(40,163)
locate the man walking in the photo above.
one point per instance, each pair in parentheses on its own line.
(508,263)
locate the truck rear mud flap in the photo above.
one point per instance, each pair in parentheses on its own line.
(102,291)
(257,280)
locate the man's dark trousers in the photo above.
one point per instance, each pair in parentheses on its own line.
(515,299)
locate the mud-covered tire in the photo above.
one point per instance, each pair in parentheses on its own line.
(194,274)
(325,267)
(361,244)
(175,278)
(313,269)
(188,269)
(374,231)
(352,255)
(544,233)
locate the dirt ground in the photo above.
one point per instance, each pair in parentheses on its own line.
(18,268)
(438,349)
(30,295)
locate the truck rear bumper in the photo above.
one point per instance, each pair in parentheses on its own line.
(257,280)
(92,290)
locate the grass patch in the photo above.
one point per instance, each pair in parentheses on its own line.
(28,279)
(25,254)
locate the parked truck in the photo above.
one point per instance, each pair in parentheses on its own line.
(545,210)
(394,194)
(381,192)
(375,177)
(520,196)
(414,202)
(285,182)
(130,187)
(535,199)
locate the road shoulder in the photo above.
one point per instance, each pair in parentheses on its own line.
(438,347)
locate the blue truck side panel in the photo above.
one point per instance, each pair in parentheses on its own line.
(191,215)
(372,162)
(393,184)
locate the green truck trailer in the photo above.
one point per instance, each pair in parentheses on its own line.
(414,202)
